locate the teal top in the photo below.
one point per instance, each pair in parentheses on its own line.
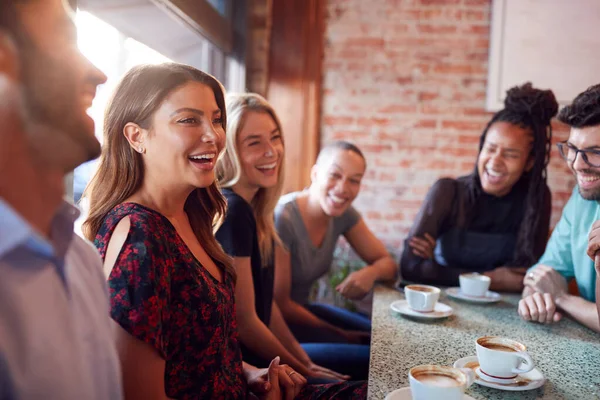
(566,249)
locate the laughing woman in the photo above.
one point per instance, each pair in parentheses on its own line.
(309,224)
(494,221)
(251,174)
(153,202)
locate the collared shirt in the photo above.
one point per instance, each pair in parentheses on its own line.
(566,249)
(56,340)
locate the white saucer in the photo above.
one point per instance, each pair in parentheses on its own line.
(490,297)
(405,394)
(528,381)
(441,310)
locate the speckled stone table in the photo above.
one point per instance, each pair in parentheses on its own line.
(566,353)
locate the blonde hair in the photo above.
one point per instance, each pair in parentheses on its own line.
(121,171)
(229,168)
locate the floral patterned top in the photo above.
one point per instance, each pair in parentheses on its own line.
(163,296)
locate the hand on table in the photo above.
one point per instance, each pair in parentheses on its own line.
(276,382)
(321,372)
(506,278)
(539,307)
(358,284)
(594,245)
(545,279)
(422,247)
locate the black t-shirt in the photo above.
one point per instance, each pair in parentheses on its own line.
(239,238)
(481,242)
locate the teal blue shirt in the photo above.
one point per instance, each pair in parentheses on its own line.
(566,249)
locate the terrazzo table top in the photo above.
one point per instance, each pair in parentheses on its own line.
(566,353)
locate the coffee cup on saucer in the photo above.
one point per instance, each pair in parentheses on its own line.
(474,284)
(501,359)
(429,382)
(421,298)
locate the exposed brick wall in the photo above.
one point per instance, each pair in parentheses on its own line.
(406,81)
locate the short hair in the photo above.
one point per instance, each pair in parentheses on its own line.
(584,111)
(339,145)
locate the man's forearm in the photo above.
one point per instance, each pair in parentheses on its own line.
(581,310)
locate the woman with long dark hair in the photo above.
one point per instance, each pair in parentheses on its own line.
(153,204)
(496,220)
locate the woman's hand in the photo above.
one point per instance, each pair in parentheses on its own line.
(279,381)
(423,247)
(321,372)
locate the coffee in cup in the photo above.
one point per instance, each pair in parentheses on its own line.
(474,284)
(438,382)
(421,298)
(502,359)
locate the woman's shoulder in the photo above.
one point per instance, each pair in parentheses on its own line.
(286,204)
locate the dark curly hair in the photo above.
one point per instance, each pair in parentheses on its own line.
(585,109)
(532,109)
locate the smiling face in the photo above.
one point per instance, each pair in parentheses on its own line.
(504,158)
(260,148)
(336,180)
(588,177)
(185,139)
(59,84)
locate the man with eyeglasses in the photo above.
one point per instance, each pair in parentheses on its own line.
(573,245)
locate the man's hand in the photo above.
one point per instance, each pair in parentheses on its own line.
(545,279)
(539,308)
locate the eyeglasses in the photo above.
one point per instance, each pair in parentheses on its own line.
(569,153)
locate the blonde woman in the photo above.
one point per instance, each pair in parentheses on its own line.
(251,175)
(153,202)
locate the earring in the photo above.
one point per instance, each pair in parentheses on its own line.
(141,150)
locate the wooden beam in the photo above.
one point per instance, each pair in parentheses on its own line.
(294,82)
(203,18)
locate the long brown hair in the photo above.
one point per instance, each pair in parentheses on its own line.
(121,171)
(229,168)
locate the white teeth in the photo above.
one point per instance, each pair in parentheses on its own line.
(337,200)
(267,166)
(589,178)
(204,156)
(493,173)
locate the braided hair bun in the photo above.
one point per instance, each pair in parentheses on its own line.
(540,105)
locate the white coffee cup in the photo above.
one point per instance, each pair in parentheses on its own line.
(434,382)
(501,358)
(474,284)
(421,298)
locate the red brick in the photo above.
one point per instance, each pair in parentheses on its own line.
(468,139)
(436,29)
(365,42)
(439,2)
(425,96)
(461,125)
(426,123)
(398,109)
(372,121)
(337,120)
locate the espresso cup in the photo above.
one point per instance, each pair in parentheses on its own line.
(474,284)
(434,382)
(421,298)
(500,358)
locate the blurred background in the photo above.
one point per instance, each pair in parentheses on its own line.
(411,82)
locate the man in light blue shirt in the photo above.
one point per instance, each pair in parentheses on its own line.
(55,333)
(545,297)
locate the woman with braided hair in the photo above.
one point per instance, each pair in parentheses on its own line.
(496,220)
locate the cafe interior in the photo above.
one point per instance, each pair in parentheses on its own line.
(412,84)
